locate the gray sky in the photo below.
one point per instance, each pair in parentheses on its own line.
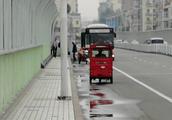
(88,9)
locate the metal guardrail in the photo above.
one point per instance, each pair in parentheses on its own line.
(151,48)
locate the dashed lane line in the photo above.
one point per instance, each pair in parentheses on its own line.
(144,85)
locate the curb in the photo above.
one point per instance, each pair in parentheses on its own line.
(75,98)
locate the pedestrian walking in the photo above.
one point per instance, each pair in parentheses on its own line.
(74,50)
(54,49)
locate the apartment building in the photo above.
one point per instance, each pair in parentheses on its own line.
(147,15)
(116,4)
(157,14)
(167,14)
(137,15)
(113,21)
(73,6)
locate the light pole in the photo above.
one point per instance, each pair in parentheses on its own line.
(64,55)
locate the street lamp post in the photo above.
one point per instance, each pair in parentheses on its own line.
(64,56)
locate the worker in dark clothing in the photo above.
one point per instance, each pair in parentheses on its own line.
(74,50)
(54,48)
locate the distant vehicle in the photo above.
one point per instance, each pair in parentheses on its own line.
(125,41)
(155,40)
(119,41)
(98,39)
(101,63)
(135,42)
(99,34)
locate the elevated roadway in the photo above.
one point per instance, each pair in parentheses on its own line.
(141,88)
(146,78)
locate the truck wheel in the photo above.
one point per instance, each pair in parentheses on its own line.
(100,80)
(79,61)
(90,80)
(111,80)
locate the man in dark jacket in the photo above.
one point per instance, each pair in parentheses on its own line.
(74,50)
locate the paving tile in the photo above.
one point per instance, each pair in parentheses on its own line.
(40,101)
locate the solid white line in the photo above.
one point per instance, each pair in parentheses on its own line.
(144,85)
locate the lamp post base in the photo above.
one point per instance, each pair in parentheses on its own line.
(59,98)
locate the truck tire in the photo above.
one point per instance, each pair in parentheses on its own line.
(111,80)
(90,80)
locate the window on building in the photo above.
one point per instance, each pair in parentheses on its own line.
(166,13)
(148,28)
(165,24)
(167,2)
(148,11)
(148,21)
(171,24)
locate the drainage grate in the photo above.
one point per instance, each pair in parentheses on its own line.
(100,115)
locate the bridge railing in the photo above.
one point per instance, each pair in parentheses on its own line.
(151,48)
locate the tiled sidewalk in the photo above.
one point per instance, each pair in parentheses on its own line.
(40,102)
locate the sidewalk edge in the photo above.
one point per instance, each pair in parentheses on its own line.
(75,98)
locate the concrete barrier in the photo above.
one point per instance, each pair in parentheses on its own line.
(152,48)
(142,36)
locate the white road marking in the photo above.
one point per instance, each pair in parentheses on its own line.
(144,85)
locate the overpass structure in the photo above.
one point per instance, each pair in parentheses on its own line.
(142,82)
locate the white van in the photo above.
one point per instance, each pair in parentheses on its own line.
(156,40)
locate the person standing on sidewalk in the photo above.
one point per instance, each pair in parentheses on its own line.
(55,44)
(74,50)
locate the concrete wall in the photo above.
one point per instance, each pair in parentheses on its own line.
(25,35)
(16,70)
(142,36)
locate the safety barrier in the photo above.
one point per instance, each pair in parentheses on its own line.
(26,28)
(151,48)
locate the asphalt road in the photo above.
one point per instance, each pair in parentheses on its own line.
(141,89)
(146,78)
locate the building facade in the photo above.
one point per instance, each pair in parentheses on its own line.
(141,15)
(158,14)
(116,4)
(115,20)
(167,14)
(147,15)
(73,6)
